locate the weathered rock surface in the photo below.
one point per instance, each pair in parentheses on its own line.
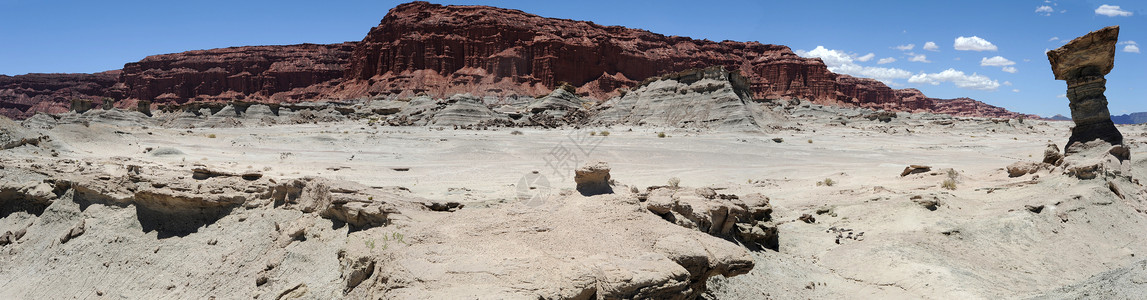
(465,110)
(748,220)
(263,236)
(421,47)
(1083,62)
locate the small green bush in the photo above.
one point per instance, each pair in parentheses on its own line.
(661,134)
(211,136)
(604,133)
(826,182)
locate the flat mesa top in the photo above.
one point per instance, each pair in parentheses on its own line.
(1095,49)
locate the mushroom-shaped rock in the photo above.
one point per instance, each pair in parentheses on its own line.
(1082,63)
(593,179)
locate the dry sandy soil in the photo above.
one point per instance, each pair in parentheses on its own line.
(444,213)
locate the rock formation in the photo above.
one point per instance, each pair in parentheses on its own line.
(445,50)
(1082,63)
(320,238)
(276,73)
(593,179)
(442,50)
(701,98)
(22,96)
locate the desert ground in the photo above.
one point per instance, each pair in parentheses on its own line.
(460,213)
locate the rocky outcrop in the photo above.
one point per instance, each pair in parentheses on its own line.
(255,73)
(22,96)
(442,50)
(321,238)
(748,220)
(700,98)
(1082,63)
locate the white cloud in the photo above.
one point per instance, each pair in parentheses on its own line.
(840,62)
(1052,39)
(974,43)
(1008,83)
(886,60)
(959,78)
(906,47)
(931,46)
(1015,90)
(1131,49)
(996,61)
(919,58)
(866,57)
(1012,70)
(1112,11)
(1061,96)
(1044,10)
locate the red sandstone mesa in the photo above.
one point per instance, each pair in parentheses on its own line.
(442,50)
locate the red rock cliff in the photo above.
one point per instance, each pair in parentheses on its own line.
(442,50)
(253,73)
(22,96)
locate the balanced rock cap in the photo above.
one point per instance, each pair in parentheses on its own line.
(1096,49)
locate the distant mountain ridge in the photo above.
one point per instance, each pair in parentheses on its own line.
(1131,118)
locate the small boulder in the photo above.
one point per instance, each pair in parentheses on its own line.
(1120,152)
(1021,168)
(1052,156)
(913,169)
(593,179)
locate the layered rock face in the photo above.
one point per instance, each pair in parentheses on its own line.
(441,50)
(701,98)
(1082,63)
(22,96)
(256,73)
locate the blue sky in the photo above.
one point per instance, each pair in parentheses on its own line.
(52,36)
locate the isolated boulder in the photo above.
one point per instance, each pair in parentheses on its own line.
(913,169)
(593,179)
(1051,155)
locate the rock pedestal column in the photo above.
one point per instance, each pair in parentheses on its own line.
(1082,63)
